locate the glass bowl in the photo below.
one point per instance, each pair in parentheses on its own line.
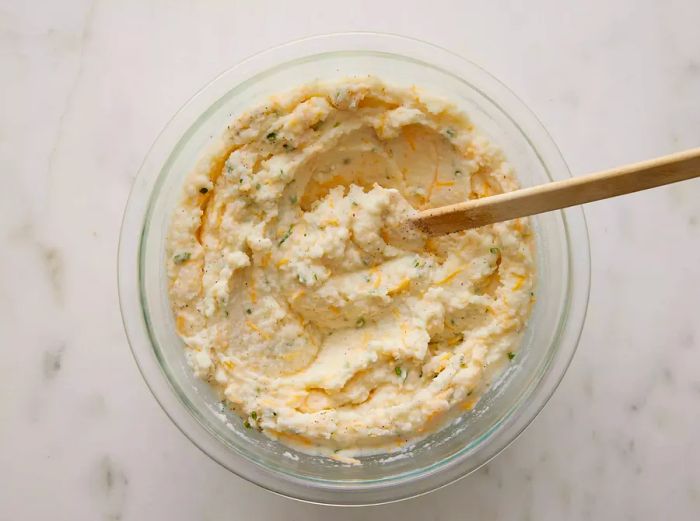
(476,436)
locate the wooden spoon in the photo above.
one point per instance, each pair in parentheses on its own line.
(559,194)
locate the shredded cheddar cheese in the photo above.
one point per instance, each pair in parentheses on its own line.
(451,276)
(255,328)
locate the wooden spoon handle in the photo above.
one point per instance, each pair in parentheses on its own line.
(559,194)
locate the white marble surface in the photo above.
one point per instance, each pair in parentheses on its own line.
(87,84)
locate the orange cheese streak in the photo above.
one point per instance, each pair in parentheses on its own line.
(450,276)
(403,285)
(296,295)
(469,404)
(435,174)
(377,277)
(520,280)
(180,323)
(255,328)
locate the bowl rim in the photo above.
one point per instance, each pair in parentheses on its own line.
(136,212)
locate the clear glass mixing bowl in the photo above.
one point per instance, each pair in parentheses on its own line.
(459,448)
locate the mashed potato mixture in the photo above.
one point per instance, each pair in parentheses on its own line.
(299,301)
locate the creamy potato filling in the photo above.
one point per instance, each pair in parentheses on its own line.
(300,303)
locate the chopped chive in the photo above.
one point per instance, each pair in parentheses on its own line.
(511,355)
(398,371)
(360,322)
(450,132)
(271,137)
(246,424)
(458,173)
(293,199)
(248,311)
(495,251)
(286,235)
(254,415)
(182,257)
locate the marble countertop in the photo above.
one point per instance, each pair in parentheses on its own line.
(86,87)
